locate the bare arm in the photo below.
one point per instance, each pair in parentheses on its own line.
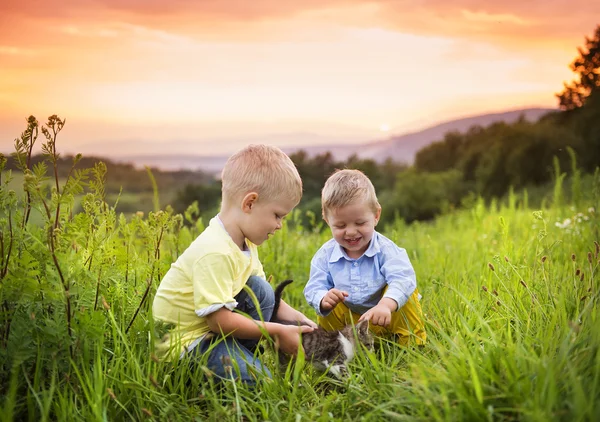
(287,313)
(228,322)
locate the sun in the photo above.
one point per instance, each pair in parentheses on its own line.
(384,127)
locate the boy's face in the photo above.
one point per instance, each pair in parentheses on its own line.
(265,218)
(353,226)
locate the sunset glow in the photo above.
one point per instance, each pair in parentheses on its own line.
(177,76)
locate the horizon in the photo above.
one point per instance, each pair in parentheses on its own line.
(209,79)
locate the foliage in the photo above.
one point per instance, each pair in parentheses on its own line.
(206,196)
(422,196)
(587,68)
(494,158)
(123,176)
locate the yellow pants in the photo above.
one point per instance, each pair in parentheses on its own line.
(407,322)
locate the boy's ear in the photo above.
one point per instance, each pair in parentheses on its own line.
(249,201)
(377,215)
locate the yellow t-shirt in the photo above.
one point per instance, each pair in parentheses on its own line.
(206,277)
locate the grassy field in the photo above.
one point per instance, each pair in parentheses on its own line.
(510,297)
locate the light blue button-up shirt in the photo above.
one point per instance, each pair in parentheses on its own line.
(383,264)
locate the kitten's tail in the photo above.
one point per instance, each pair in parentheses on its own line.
(278,293)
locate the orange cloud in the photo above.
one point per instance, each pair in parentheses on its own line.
(486,19)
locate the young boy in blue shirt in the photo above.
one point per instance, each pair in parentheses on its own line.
(200,293)
(361,274)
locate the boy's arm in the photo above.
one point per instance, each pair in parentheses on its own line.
(287,313)
(399,275)
(319,282)
(227,322)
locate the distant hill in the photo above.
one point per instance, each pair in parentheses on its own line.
(403,148)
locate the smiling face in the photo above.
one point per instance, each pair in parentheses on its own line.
(352,226)
(264,218)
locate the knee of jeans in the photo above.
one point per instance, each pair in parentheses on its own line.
(263,291)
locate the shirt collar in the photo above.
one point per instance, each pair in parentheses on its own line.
(338,252)
(216,220)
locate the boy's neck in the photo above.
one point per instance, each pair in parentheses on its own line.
(229,223)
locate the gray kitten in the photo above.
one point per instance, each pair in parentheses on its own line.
(327,349)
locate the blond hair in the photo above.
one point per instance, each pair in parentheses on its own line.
(345,187)
(263,169)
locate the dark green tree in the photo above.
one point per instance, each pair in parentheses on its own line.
(587,67)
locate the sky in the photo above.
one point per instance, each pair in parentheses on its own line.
(204,77)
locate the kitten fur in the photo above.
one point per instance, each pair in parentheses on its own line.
(327,349)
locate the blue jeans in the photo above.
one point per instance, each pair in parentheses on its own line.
(230,357)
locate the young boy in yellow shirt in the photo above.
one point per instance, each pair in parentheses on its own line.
(200,294)
(361,274)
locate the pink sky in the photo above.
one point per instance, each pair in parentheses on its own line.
(206,77)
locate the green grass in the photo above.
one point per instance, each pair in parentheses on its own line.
(512,325)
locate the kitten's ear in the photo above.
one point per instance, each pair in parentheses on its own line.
(363,326)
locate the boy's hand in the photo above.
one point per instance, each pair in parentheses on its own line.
(378,315)
(289,314)
(304,320)
(287,337)
(332,298)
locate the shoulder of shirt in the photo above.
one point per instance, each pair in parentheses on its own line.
(325,250)
(386,244)
(213,241)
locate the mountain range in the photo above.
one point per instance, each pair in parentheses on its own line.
(400,148)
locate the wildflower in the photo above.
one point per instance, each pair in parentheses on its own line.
(577,272)
(566,223)
(523,283)
(506,259)
(591,210)
(582,276)
(498,303)
(544,258)
(590,257)
(495,292)
(485,289)
(491,266)
(573,257)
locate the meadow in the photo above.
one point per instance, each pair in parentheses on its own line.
(510,296)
